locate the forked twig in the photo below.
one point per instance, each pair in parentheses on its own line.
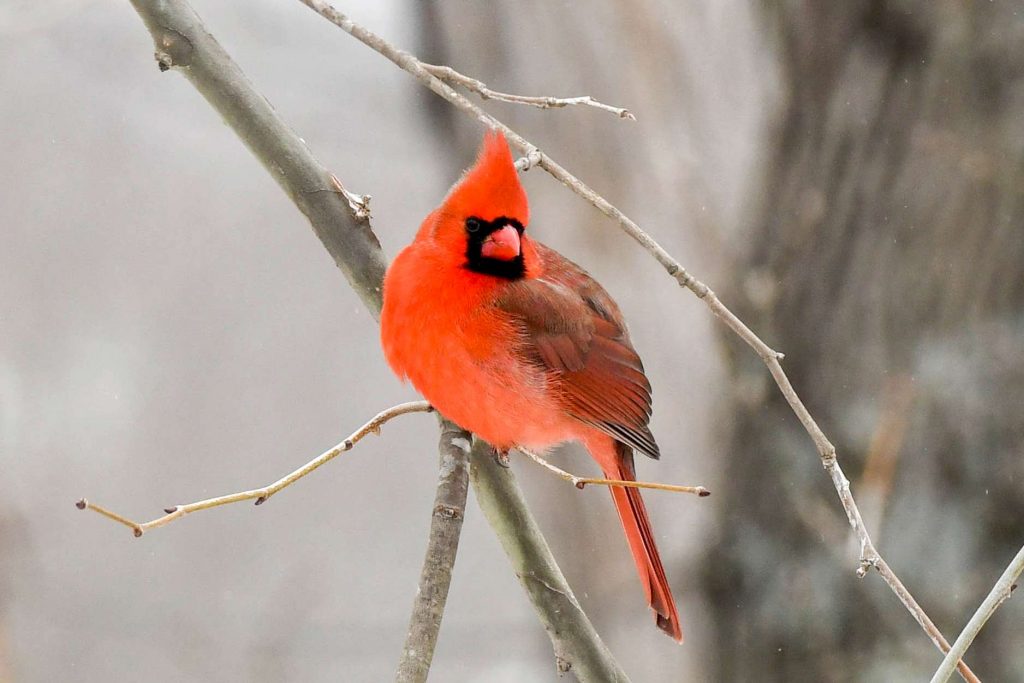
(262,494)
(582,482)
(453,77)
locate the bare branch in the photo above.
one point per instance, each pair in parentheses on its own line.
(261,495)
(453,77)
(577,646)
(999,594)
(581,482)
(527,162)
(869,556)
(442,545)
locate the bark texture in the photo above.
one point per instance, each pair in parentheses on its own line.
(884,256)
(442,546)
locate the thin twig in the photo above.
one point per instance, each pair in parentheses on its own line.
(261,495)
(453,77)
(442,546)
(999,594)
(869,556)
(581,482)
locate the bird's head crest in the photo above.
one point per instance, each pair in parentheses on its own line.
(491,188)
(480,224)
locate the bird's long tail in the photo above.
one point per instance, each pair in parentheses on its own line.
(641,540)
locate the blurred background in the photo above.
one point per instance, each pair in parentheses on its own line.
(849,177)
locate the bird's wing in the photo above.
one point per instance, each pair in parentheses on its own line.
(573,329)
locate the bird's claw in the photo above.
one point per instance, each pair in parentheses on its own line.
(501,457)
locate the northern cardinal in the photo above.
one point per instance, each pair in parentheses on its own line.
(519,345)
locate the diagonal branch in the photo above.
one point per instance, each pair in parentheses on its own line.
(577,645)
(869,555)
(442,545)
(453,77)
(261,494)
(999,594)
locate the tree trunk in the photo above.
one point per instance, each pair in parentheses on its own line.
(885,258)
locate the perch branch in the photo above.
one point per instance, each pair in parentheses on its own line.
(453,77)
(183,41)
(999,594)
(869,556)
(442,545)
(581,482)
(576,644)
(261,495)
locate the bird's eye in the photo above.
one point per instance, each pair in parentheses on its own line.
(473,224)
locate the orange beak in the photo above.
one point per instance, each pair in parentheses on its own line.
(503,244)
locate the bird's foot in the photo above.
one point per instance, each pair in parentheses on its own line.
(501,457)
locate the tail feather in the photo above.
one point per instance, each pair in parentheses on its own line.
(637,526)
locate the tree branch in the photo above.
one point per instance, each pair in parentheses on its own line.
(577,645)
(341,221)
(582,482)
(869,556)
(261,495)
(999,594)
(453,77)
(442,545)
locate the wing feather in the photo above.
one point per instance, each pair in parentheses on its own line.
(573,329)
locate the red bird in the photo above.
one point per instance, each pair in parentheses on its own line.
(517,344)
